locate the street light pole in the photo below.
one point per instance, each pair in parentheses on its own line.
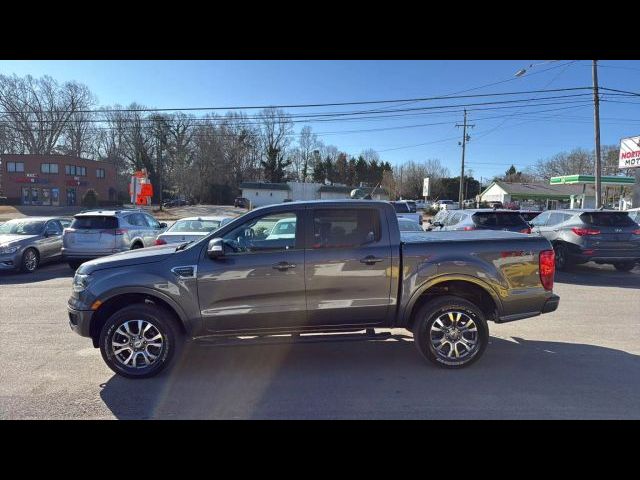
(596,121)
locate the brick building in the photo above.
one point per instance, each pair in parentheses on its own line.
(55,180)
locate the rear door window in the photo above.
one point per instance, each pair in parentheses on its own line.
(401,208)
(607,219)
(94,223)
(345,228)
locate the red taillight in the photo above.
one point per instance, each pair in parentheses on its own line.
(161,241)
(547,265)
(525,230)
(581,232)
(636,232)
(466,229)
(117,231)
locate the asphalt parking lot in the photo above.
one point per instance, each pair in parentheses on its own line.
(581,361)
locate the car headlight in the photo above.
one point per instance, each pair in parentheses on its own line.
(80,282)
(5,250)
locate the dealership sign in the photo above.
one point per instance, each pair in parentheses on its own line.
(629,153)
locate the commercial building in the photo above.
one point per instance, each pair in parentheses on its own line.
(570,191)
(262,193)
(54,180)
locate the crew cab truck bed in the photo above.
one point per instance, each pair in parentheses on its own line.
(346,268)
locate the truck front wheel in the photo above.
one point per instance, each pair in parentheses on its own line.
(450,332)
(139,341)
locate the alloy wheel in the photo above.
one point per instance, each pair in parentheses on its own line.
(454,336)
(137,344)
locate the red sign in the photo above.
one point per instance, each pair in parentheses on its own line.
(146,190)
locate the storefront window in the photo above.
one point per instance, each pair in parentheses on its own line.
(46,196)
(55,197)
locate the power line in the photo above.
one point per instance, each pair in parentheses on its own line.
(309,105)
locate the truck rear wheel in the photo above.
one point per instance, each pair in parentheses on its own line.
(139,341)
(450,332)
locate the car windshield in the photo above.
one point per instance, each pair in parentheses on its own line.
(203,226)
(497,219)
(409,226)
(401,207)
(94,222)
(607,219)
(22,227)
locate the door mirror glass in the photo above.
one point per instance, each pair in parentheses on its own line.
(162,225)
(215,249)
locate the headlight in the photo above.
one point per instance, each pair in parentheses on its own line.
(4,250)
(80,282)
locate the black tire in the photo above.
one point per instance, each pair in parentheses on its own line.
(162,323)
(431,312)
(562,260)
(136,246)
(74,264)
(624,266)
(30,261)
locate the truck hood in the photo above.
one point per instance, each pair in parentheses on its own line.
(133,257)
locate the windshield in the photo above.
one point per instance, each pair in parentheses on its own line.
(401,208)
(498,219)
(408,226)
(22,227)
(607,219)
(202,226)
(94,223)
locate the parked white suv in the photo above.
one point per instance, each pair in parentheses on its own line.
(98,233)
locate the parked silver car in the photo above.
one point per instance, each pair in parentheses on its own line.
(25,243)
(580,236)
(97,233)
(191,229)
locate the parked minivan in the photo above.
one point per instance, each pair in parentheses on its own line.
(97,233)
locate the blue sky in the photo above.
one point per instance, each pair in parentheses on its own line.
(515,137)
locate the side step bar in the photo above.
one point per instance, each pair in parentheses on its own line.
(286,339)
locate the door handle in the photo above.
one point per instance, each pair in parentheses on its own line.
(371,260)
(283,266)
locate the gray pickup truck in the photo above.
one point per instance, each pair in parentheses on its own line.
(338,267)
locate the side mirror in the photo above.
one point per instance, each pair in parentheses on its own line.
(163,225)
(215,249)
(437,224)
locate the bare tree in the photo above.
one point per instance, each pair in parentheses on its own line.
(40,109)
(276,126)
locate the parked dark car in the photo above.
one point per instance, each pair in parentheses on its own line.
(241,202)
(344,268)
(580,236)
(484,219)
(176,202)
(26,243)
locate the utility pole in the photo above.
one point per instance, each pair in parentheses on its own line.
(596,121)
(465,139)
(160,135)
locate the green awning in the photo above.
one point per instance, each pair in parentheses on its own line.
(591,180)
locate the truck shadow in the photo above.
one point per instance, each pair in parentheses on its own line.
(46,272)
(591,274)
(515,379)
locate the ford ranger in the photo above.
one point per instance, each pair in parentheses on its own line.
(345,267)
